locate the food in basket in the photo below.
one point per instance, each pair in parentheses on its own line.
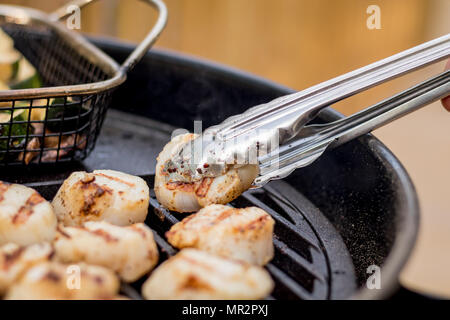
(63,115)
(25,216)
(130,251)
(16,131)
(103,195)
(69,115)
(9,58)
(54,280)
(193,274)
(15,260)
(16,72)
(26,76)
(191,197)
(242,234)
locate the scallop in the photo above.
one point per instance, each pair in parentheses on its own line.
(56,281)
(193,274)
(191,197)
(15,260)
(103,195)
(25,216)
(130,251)
(244,234)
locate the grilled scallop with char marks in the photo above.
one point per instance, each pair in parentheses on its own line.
(103,195)
(193,274)
(25,217)
(130,251)
(57,281)
(191,197)
(15,260)
(243,234)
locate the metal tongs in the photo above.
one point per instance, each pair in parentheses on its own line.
(277,137)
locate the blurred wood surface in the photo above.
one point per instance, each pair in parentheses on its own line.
(294,42)
(299,43)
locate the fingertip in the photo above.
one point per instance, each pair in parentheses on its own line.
(446,103)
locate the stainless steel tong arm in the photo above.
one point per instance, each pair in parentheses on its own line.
(283,120)
(313,140)
(302,106)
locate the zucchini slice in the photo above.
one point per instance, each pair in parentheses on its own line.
(17,129)
(26,77)
(9,58)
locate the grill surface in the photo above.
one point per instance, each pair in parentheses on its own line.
(311,261)
(301,268)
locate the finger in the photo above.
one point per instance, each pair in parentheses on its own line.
(446,101)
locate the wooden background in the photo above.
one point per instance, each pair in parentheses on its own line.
(296,43)
(303,42)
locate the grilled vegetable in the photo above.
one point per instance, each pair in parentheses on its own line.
(9,58)
(15,70)
(26,77)
(16,130)
(71,115)
(28,156)
(242,234)
(130,251)
(56,281)
(103,195)
(37,114)
(192,274)
(4,87)
(25,217)
(9,65)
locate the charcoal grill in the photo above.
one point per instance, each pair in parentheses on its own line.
(353,208)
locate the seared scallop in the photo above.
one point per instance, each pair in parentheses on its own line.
(25,217)
(103,195)
(243,234)
(56,281)
(193,274)
(190,197)
(130,251)
(15,260)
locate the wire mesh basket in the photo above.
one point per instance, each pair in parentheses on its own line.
(61,120)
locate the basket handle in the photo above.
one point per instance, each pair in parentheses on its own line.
(144,46)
